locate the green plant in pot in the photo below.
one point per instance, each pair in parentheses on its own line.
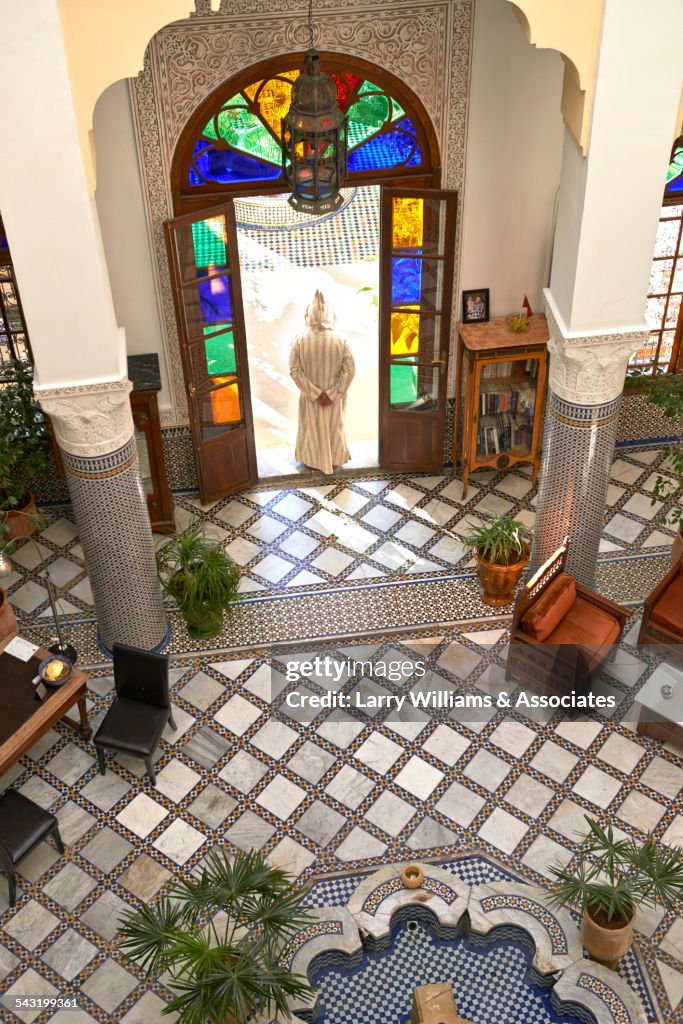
(221,938)
(612,879)
(502,547)
(24,452)
(200,577)
(665,390)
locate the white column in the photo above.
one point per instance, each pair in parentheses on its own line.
(79,352)
(608,212)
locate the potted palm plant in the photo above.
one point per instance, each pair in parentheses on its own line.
(221,938)
(612,878)
(24,451)
(501,548)
(200,577)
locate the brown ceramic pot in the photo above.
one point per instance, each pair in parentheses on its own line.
(8,622)
(498,582)
(412,876)
(606,945)
(19,520)
(677,547)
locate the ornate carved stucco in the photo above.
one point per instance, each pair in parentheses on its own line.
(426,44)
(90,419)
(588,369)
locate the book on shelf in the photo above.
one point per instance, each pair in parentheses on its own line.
(504,432)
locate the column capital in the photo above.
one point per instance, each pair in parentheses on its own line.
(89,419)
(588,369)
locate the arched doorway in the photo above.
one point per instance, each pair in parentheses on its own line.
(230,148)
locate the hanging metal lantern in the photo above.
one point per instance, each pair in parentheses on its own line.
(314,141)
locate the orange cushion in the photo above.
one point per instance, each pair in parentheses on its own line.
(586,625)
(551,607)
(668,611)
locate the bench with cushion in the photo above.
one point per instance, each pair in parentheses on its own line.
(663,614)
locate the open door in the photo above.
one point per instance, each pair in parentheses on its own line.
(416,287)
(206,281)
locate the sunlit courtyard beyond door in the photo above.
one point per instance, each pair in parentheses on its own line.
(284,258)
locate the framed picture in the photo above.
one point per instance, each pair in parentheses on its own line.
(475,306)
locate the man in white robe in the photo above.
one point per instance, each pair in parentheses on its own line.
(322,368)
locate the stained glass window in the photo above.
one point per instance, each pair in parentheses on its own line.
(661,350)
(240,144)
(14,342)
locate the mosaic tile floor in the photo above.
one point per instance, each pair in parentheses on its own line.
(327,795)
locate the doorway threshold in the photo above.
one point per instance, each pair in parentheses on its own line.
(278,465)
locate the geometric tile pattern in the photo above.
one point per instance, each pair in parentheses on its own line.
(106,492)
(318,797)
(574,481)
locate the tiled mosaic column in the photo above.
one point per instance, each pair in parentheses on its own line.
(93,425)
(584,396)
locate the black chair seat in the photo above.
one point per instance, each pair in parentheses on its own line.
(141,707)
(131,727)
(23,824)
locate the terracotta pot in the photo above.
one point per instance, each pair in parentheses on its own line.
(412,876)
(8,622)
(498,582)
(19,520)
(606,945)
(677,547)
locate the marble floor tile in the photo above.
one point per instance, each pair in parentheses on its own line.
(529,795)
(29,596)
(292,507)
(249,832)
(272,568)
(446,744)
(379,753)
(281,797)
(206,746)
(320,823)
(70,954)
(503,830)
(597,786)
(513,737)
(144,878)
(70,886)
(430,834)
(235,513)
(544,853)
(487,770)
(621,753)
(149,1009)
(274,738)
(381,517)
(662,776)
(436,512)
(141,815)
(28,984)
(102,916)
(176,780)
(403,496)
(349,501)
(242,550)
(569,820)
(359,844)
(31,924)
(109,985)
(624,529)
(60,532)
(418,777)
(413,533)
(243,771)
(291,857)
(641,811)
(299,544)
(238,714)
(453,491)
(201,691)
(554,761)
(460,804)
(642,505)
(266,529)
(212,806)
(390,813)
(179,841)
(107,849)
(332,561)
(350,787)
(310,762)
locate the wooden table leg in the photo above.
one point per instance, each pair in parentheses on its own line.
(82,727)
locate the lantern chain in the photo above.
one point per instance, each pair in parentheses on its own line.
(310,24)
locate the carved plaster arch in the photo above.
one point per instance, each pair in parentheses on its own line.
(572,27)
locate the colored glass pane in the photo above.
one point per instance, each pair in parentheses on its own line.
(367,116)
(406,281)
(210,129)
(246,132)
(407,221)
(224,402)
(347,86)
(226,166)
(405,333)
(674,174)
(388,149)
(275,100)
(402,384)
(215,300)
(220,353)
(209,239)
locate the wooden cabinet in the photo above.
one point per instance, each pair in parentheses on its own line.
(500,395)
(151,456)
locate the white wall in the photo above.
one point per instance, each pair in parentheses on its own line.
(50,220)
(513,160)
(121,212)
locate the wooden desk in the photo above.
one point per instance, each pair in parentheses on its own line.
(23,718)
(662,718)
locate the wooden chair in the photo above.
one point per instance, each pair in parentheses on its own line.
(562,633)
(663,614)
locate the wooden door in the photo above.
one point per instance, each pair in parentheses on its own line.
(208,296)
(416,285)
